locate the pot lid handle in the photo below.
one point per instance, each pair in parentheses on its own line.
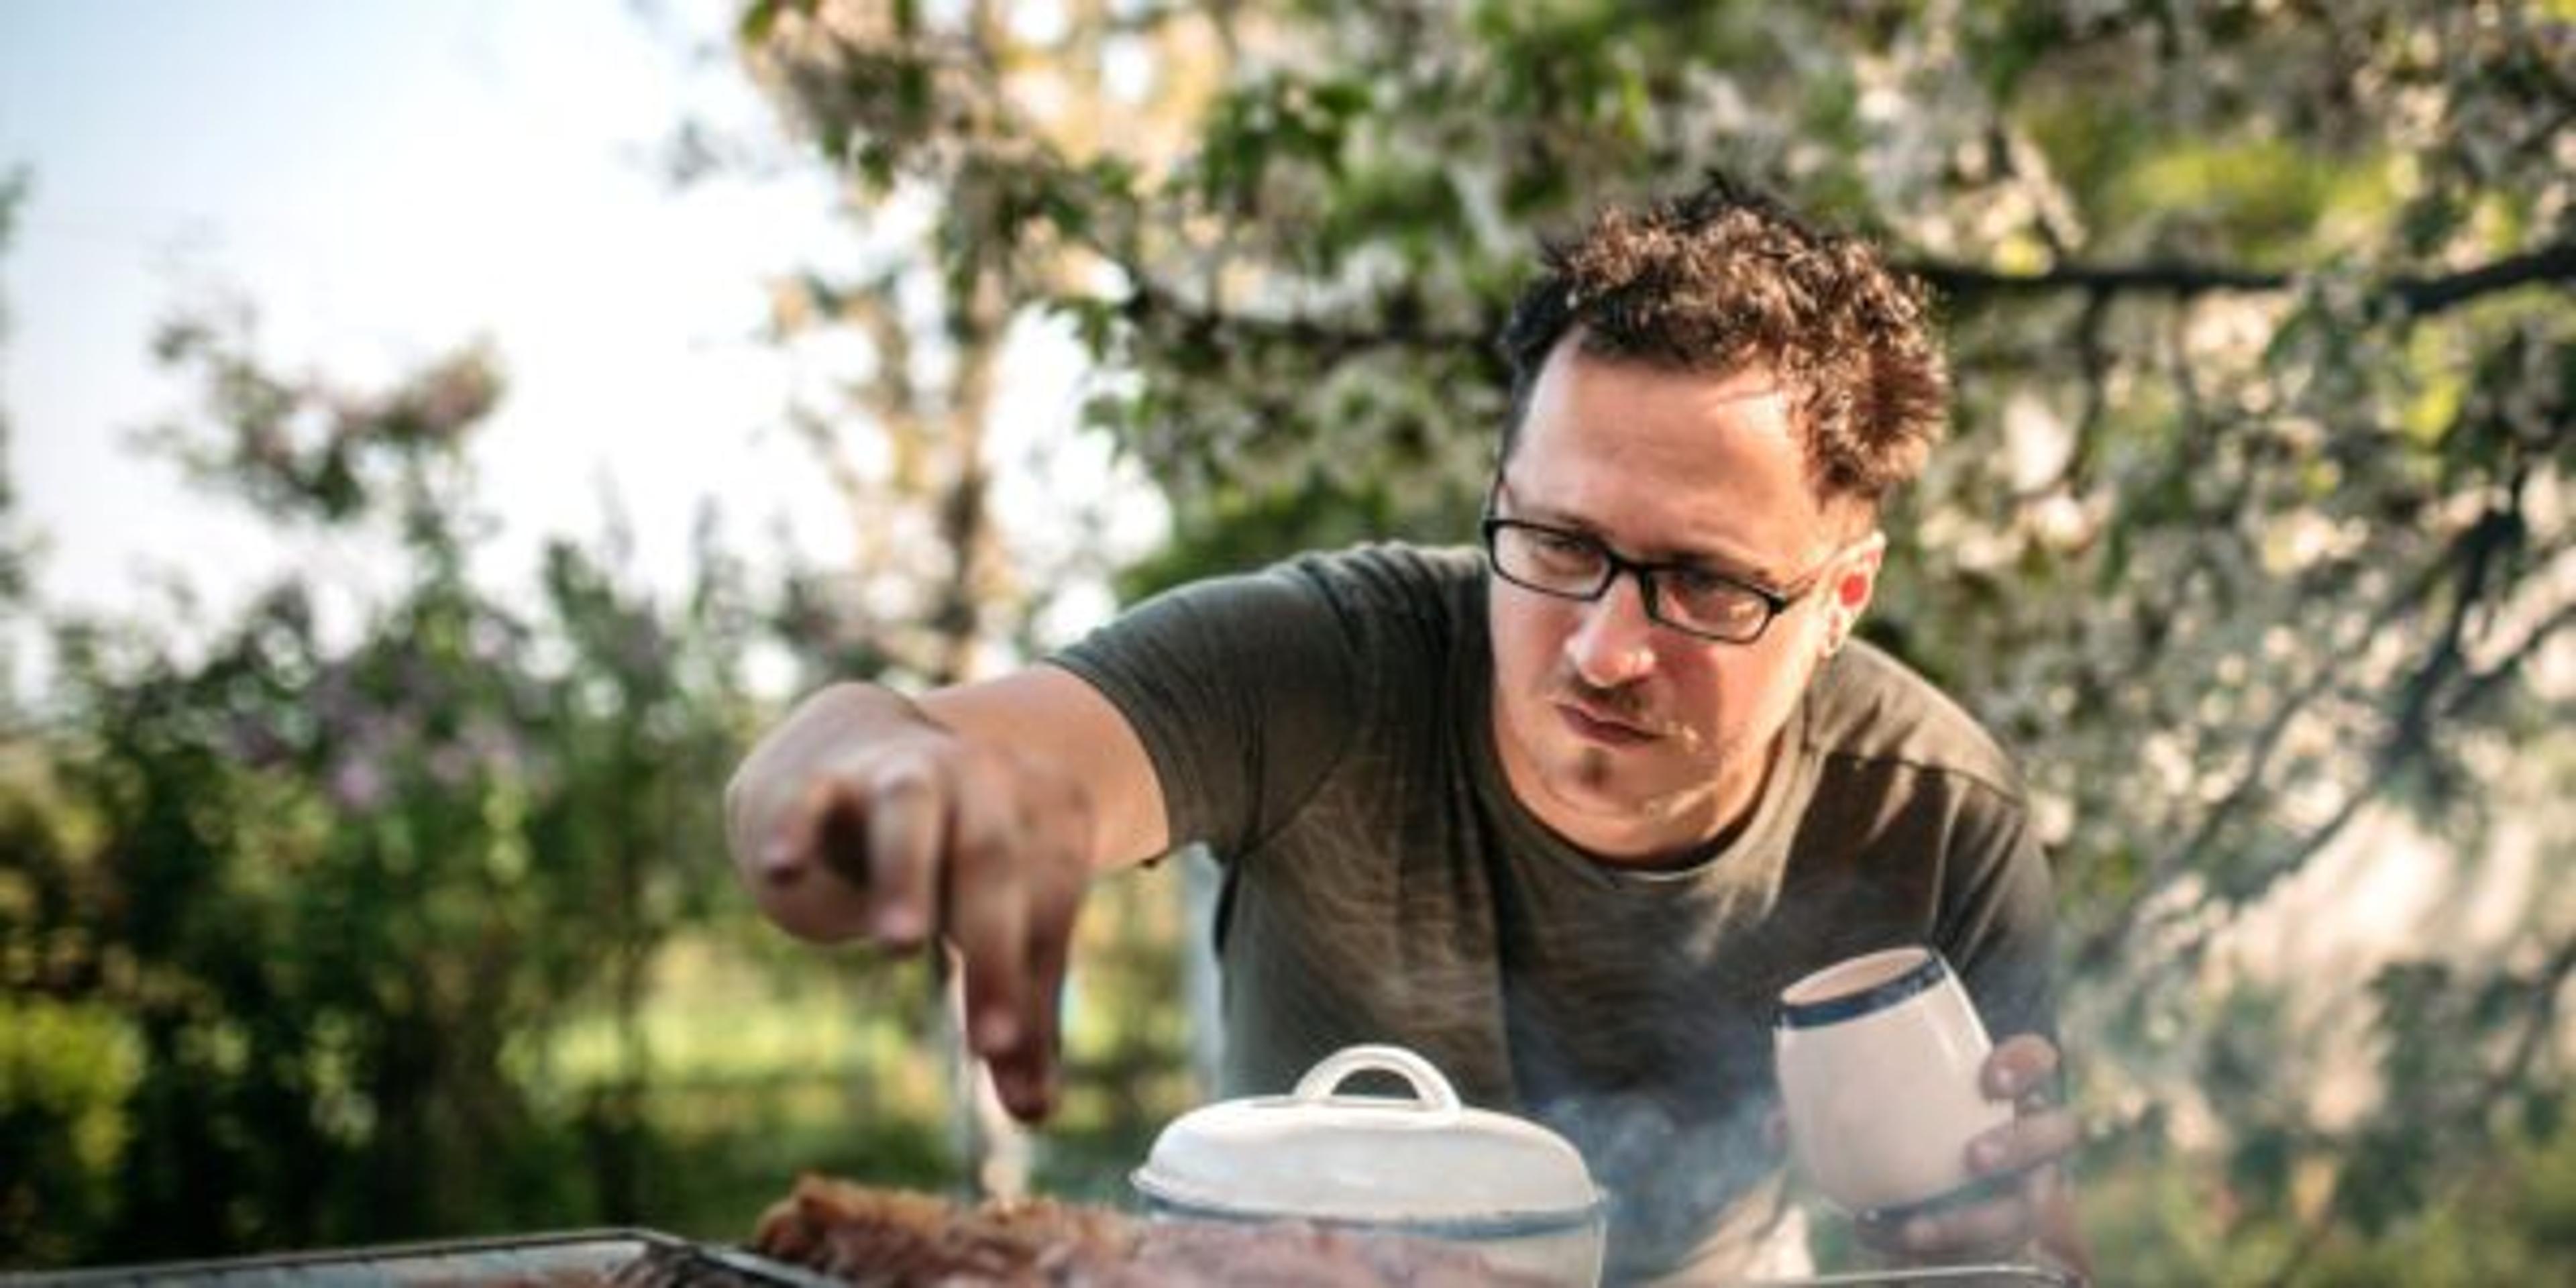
(1431,1090)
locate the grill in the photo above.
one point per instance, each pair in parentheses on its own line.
(635,1258)
(626,1258)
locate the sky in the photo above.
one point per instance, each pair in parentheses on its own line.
(384,183)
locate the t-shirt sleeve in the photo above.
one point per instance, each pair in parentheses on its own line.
(1999,921)
(1243,690)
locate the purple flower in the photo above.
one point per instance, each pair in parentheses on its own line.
(357,783)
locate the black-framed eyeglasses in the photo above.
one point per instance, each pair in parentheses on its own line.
(1686,597)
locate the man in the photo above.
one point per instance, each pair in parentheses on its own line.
(1565,817)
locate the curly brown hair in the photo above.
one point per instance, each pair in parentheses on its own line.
(1723,278)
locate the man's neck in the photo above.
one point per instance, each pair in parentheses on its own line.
(1677,832)
(1703,827)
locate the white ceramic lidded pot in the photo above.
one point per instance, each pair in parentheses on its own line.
(1424,1165)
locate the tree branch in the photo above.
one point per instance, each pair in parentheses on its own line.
(2420,295)
(2467,561)
(1401,326)
(2168,278)
(2429,295)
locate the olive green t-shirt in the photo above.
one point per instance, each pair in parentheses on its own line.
(1324,728)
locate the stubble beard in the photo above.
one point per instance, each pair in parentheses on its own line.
(1703,764)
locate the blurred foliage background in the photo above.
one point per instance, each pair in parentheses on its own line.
(2253,539)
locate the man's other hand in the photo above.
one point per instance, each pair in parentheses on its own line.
(2031,1201)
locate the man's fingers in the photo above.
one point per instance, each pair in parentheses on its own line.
(2020,1065)
(1050,949)
(994,1025)
(1058,878)
(782,855)
(987,905)
(1994,1228)
(2025,1142)
(1025,1085)
(2037,1205)
(2057,1228)
(1024,1074)
(790,875)
(1053,869)
(907,815)
(972,846)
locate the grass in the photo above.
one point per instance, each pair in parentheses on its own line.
(753,1062)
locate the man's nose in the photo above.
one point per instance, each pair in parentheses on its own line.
(1615,642)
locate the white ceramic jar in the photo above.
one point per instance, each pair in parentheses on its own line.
(1879,1059)
(1424,1165)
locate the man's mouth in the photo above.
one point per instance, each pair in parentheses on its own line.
(1596,725)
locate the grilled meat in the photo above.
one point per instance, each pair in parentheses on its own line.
(891,1239)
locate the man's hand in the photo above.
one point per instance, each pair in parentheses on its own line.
(2022,1160)
(860,817)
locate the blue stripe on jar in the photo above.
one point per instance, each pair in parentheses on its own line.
(1924,974)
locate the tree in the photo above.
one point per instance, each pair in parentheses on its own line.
(290,917)
(2253,538)
(937,318)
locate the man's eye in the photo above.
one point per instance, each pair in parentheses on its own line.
(1707,592)
(1561,545)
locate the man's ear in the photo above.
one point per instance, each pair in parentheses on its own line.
(1853,578)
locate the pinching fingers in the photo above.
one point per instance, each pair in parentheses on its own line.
(908,804)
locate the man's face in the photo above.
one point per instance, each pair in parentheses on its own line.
(1630,738)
